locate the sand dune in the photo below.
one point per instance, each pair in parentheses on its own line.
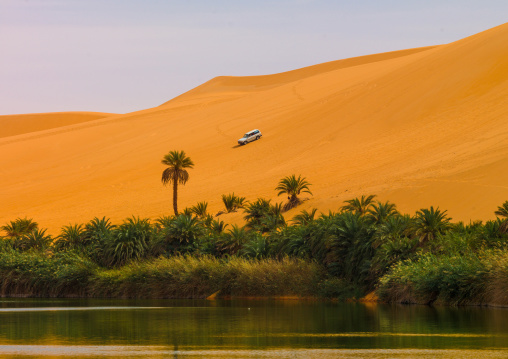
(12,125)
(419,127)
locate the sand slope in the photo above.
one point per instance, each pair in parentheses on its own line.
(420,127)
(12,125)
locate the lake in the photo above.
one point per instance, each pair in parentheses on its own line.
(65,328)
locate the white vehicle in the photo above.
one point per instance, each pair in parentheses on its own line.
(249,137)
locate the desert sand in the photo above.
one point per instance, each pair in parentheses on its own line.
(418,127)
(12,125)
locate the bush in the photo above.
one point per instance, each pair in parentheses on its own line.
(232,202)
(453,279)
(129,241)
(35,274)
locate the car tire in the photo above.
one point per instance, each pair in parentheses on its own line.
(257,137)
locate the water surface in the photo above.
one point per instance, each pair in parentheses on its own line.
(246,329)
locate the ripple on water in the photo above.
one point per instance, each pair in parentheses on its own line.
(64,309)
(115,351)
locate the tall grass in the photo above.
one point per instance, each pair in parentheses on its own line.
(497,286)
(199,277)
(38,275)
(34,274)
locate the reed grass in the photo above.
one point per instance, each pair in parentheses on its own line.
(34,274)
(497,285)
(199,277)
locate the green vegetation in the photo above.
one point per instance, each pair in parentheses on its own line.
(176,173)
(366,246)
(232,202)
(293,186)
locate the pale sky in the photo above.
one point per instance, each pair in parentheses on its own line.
(127,55)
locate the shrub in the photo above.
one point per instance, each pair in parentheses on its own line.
(37,239)
(35,274)
(70,237)
(232,202)
(181,236)
(453,279)
(129,241)
(292,187)
(257,247)
(232,241)
(19,227)
(200,209)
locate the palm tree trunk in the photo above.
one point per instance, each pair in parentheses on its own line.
(175,195)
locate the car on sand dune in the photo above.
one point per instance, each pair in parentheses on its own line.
(249,137)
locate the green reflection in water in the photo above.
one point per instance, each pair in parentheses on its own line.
(238,328)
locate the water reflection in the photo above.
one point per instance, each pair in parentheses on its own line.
(171,328)
(113,352)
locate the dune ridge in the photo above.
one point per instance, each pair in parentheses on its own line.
(418,127)
(13,125)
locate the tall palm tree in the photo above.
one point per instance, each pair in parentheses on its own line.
(292,186)
(176,173)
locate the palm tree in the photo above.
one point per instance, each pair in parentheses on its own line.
(359,205)
(394,227)
(273,220)
(200,209)
(20,227)
(429,223)
(380,212)
(96,237)
(350,247)
(36,239)
(232,202)
(71,236)
(292,186)
(233,240)
(304,217)
(218,227)
(176,173)
(255,211)
(130,241)
(256,248)
(183,234)
(503,212)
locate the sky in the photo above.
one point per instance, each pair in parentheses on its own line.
(126,55)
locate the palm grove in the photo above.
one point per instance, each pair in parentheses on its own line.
(367,245)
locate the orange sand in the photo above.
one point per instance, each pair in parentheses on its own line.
(12,125)
(419,127)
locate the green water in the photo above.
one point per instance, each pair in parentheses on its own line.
(50,328)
